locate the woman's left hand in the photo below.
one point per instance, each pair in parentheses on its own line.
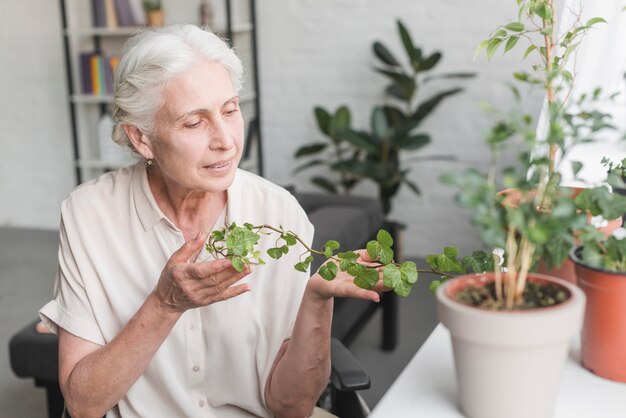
(343,284)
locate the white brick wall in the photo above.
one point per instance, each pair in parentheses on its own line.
(319,53)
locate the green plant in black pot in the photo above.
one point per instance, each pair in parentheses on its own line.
(374,154)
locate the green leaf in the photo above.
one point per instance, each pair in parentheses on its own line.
(529,50)
(412,142)
(576,167)
(426,107)
(325,184)
(544,11)
(379,124)
(373,248)
(403,289)
(361,140)
(408,271)
(434,285)
(478,262)
(515,26)
(323,120)
(367,279)
(348,259)
(218,235)
(492,46)
(385,255)
(238,263)
(414,188)
(430,62)
(328,271)
(310,149)
(329,247)
(391,276)
(356,270)
(595,20)
(480,47)
(409,47)
(384,55)
(341,119)
(511,43)
(275,253)
(384,238)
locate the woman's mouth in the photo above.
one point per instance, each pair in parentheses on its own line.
(219,167)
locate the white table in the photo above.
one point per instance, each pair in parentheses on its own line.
(427,387)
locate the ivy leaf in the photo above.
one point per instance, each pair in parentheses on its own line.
(289,238)
(446,262)
(408,272)
(329,247)
(238,263)
(367,279)
(328,271)
(357,270)
(373,247)
(478,262)
(434,285)
(384,238)
(218,235)
(304,265)
(275,253)
(348,259)
(391,276)
(403,289)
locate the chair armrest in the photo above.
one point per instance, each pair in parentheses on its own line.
(347,373)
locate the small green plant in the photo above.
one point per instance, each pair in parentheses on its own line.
(618,169)
(608,254)
(239,245)
(376,154)
(151,5)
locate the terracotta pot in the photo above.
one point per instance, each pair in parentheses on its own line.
(508,363)
(603,339)
(155,17)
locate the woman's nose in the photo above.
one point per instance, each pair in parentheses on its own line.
(220,137)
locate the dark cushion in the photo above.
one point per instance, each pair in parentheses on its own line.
(34,354)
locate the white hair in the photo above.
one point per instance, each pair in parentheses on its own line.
(151,58)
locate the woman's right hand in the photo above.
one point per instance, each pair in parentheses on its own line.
(186,285)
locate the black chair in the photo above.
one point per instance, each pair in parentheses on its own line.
(35,355)
(353,221)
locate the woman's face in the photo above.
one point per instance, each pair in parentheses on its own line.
(198,135)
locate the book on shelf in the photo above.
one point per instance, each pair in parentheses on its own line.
(117,13)
(97,73)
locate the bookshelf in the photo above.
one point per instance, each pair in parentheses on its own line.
(233,20)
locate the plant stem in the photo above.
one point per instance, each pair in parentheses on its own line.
(498,274)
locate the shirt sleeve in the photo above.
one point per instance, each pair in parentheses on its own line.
(70,308)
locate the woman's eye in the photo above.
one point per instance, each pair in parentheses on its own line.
(232,110)
(193,125)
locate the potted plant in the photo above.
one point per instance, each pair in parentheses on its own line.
(376,154)
(155,16)
(601,271)
(511,329)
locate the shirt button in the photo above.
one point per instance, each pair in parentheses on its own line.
(201,404)
(195,368)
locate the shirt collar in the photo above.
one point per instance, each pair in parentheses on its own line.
(147,208)
(149,212)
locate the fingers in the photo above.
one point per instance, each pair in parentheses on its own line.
(189,250)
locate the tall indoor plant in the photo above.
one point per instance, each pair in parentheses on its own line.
(376,154)
(511,341)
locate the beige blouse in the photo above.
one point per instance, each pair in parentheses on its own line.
(114,242)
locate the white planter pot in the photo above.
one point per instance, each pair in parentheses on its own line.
(508,363)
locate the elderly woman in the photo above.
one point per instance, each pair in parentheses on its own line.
(149,324)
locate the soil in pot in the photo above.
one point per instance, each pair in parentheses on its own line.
(536,295)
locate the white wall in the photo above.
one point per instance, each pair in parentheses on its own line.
(313,52)
(35,144)
(318,52)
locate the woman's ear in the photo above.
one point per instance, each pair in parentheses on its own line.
(140,141)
